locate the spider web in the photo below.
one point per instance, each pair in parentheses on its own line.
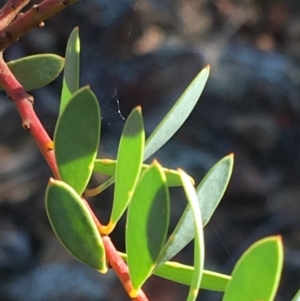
(112,106)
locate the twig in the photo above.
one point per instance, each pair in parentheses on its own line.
(30,121)
(30,19)
(10,11)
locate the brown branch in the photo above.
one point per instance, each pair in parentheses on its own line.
(10,11)
(30,19)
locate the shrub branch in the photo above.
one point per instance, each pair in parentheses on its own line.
(33,17)
(10,11)
(30,121)
(24,103)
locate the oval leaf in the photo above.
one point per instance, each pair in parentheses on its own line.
(71,71)
(192,198)
(74,226)
(147,224)
(210,192)
(129,163)
(36,71)
(108,167)
(256,275)
(177,115)
(76,139)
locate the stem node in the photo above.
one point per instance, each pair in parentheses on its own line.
(26,125)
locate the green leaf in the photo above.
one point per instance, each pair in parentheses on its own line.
(76,139)
(108,167)
(173,120)
(129,163)
(177,115)
(210,192)
(147,224)
(73,224)
(191,195)
(36,71)
(212,188)
(297,296)
(71,71)
(182,274)
(256,275)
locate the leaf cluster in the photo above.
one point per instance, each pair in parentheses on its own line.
(141,191)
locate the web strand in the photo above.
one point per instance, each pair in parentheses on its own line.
(120,69)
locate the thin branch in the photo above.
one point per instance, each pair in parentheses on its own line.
(10,11)
(30,121)
(32,18)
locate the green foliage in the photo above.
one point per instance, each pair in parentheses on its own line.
(177,115)
(210,192)
(71,71)
(76,139)
(36,71)
(147,224)
(144,190)
(256,275)
(212,188)
(73,224)
(192,199)
(129,163)
(182,274)
(108,167)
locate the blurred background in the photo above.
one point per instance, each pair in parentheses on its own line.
(145,52)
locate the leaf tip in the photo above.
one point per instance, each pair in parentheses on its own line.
(104,269)
(278,239)
(207,67)
(231,155)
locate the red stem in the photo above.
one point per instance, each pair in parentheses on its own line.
(34,17)
(30,121)
(10,11)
